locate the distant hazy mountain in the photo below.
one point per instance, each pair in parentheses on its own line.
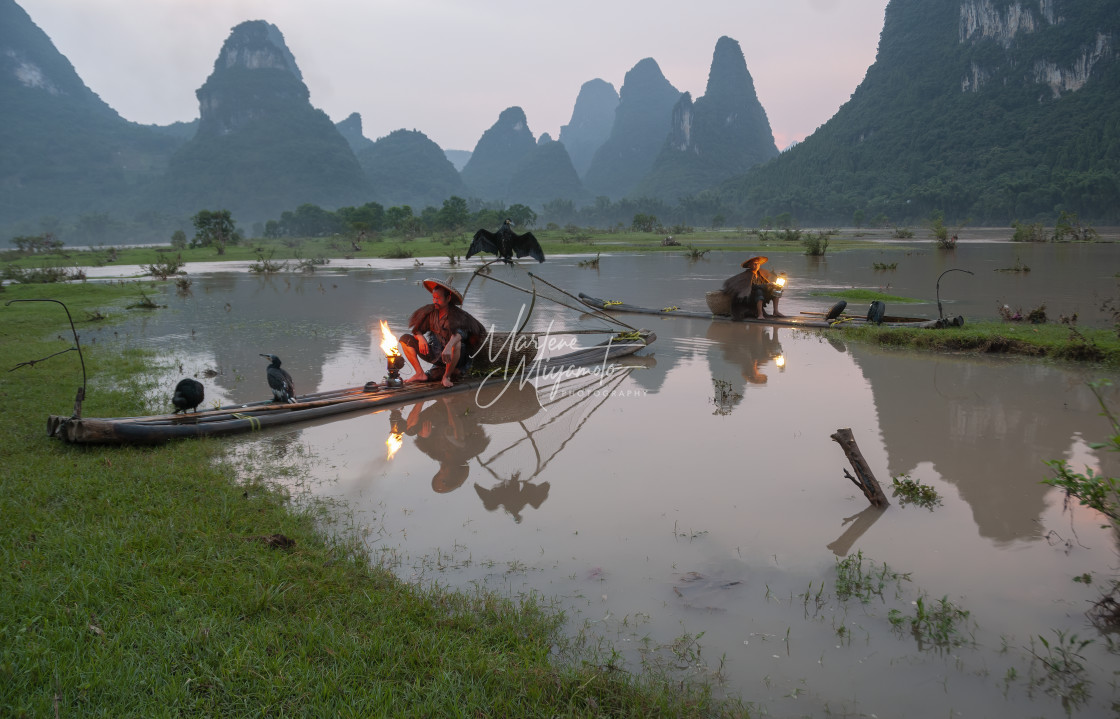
(721,135)
(351,131)
(987,111)
(498,154)
(63,151)
(459,158)
(407,168)
(590,126)
(546,174)
(261,148)
(641,124)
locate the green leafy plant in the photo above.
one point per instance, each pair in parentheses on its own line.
(1024,232)
(1064,666)
(815,245)
(164,266)
(910,491)
(938,624)
(266,265)
(854,580)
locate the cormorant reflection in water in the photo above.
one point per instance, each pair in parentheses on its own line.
(747,347)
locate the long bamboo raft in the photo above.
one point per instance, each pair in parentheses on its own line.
(254,416)
(805,319)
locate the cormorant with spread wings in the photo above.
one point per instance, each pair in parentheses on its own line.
(505,243)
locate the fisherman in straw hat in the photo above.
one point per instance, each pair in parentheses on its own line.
(443,334)
(750,290)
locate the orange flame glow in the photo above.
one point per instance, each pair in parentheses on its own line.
(388,341)
(393,443)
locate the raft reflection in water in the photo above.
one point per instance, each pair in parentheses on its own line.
(528,427)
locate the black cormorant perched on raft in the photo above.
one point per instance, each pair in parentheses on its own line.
(283,388)
(188,394)
(505,243)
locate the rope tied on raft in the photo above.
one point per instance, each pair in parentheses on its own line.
(608,303)
(674,308)
(635,335)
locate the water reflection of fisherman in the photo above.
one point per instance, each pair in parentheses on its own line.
(446,432)
(751,290)
(450,429)
(749,347)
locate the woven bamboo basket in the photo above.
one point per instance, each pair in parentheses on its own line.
(500,346)
(719,302)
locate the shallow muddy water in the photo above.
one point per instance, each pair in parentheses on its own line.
(691,506)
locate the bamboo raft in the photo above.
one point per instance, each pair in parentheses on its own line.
(817,320)
(255,416)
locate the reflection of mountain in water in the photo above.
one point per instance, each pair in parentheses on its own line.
(985,427)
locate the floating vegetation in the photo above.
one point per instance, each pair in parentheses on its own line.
(910,491)
(694,253)
(144,303)
(885,266)
(725,397)
(1064,668)
(939,624)
(591,264)
(1019,267)
(183,284)
(854,581)
(266,265)
(902,233)
(309,264)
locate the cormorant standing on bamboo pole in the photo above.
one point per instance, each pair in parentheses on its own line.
(505,243)
(283,388)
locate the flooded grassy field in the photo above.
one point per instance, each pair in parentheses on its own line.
(690,508)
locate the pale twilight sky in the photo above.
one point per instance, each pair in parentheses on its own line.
(448,67)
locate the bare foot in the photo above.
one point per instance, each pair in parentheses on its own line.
(777,314)
(446,381)
(418,377)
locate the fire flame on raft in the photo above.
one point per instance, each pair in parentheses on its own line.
(388,340)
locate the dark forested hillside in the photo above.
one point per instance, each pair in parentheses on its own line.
(63,151)
(721,135)
(641,124)
(407,168)
(987,111)
(261,147)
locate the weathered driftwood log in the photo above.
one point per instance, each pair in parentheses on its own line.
(864,479)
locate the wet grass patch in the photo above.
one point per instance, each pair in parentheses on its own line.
(1054,341)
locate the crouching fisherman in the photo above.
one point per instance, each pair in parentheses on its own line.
(752,289)
(443,334)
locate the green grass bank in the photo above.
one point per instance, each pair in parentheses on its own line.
(142,582)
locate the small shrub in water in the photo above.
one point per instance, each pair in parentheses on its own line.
(909,491)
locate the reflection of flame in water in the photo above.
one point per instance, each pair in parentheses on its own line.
(388,340)
(780,361)
(393,443)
